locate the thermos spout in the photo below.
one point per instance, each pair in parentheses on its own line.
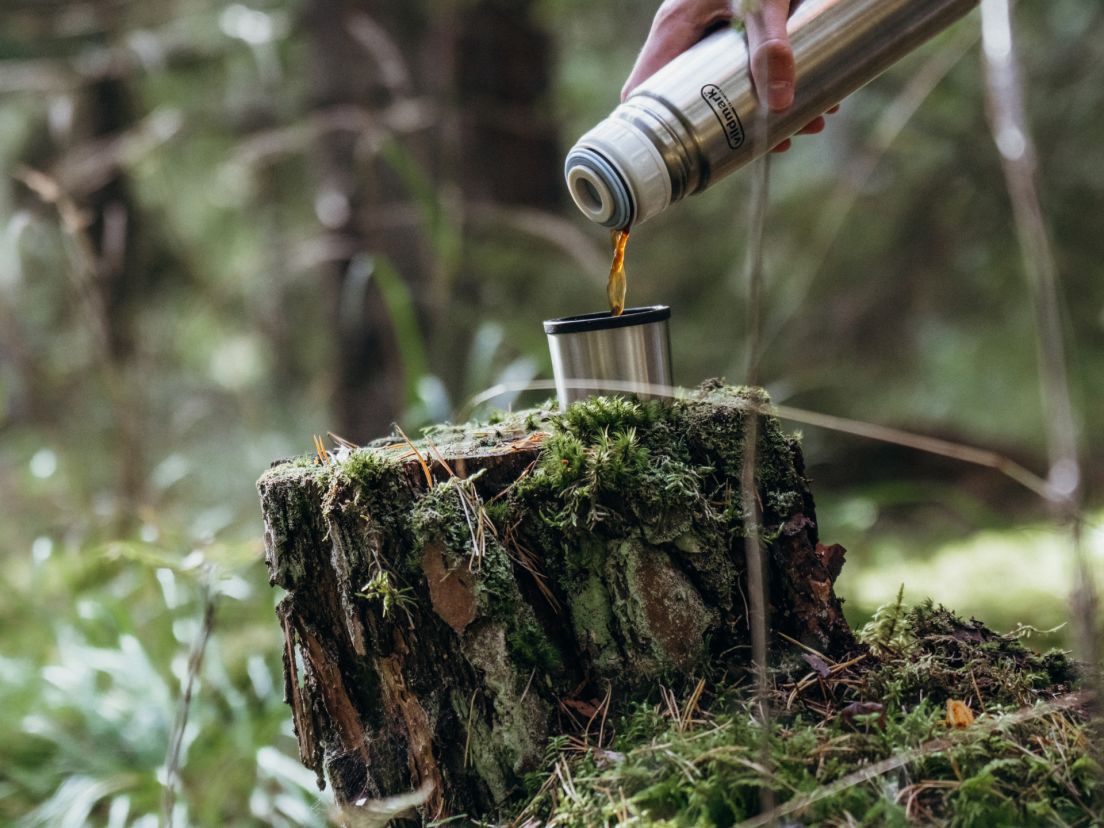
(617,176)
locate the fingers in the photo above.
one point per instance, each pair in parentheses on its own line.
(772,60)
(677,26)
(813,127)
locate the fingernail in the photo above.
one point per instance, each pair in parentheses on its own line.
(780,94)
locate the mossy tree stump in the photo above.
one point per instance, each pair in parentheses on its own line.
(453,603)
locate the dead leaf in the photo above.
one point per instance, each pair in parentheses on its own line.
(817,663)
(958,714)
(580,706)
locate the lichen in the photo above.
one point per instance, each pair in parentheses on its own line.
(519,722)
(479,747)
(289,543)
(659,608)
(592,621)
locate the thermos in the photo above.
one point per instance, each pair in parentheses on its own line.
(693,121)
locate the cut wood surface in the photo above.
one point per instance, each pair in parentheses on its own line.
(453,602)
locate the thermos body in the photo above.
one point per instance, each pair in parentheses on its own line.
(696,119)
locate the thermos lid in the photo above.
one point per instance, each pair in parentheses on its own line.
(616,175)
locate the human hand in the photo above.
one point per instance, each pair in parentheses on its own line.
(679,24)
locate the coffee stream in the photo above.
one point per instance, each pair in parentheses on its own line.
(615,288)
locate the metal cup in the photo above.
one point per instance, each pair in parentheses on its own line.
(599,353)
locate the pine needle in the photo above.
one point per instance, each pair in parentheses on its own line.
(421,460)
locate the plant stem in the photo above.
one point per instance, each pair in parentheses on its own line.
(195,664)
(1008,121)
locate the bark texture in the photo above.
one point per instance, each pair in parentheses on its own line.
(451,604)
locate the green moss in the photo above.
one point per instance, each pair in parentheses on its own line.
(939,656)
(374,486)
(531,647)
(611,466)
(715,426)
(439,515)
(589,418)
(367,507)
(498,594)
(369,468)
(498,512)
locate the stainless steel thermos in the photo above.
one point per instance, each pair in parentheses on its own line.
(692,122)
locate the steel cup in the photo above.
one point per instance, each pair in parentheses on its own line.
(598,353)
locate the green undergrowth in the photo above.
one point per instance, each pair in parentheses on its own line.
(866,743)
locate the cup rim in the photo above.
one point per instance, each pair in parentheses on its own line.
(603,320)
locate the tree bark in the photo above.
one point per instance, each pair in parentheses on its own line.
(438,634)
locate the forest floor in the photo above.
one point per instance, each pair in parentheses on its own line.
(941,721)
(98,633)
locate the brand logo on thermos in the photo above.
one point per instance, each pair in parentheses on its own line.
(726,114)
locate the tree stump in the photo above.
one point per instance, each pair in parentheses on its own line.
(454,602)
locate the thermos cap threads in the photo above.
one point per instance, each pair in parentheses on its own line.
(616,176)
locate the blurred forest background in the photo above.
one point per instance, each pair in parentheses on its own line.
(227,227)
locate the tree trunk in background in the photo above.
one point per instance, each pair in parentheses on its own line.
(119,269)
(510,147)
(123,282)
(355,197)
(114,224)
(486,68)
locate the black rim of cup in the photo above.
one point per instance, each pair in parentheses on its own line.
(605,321)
